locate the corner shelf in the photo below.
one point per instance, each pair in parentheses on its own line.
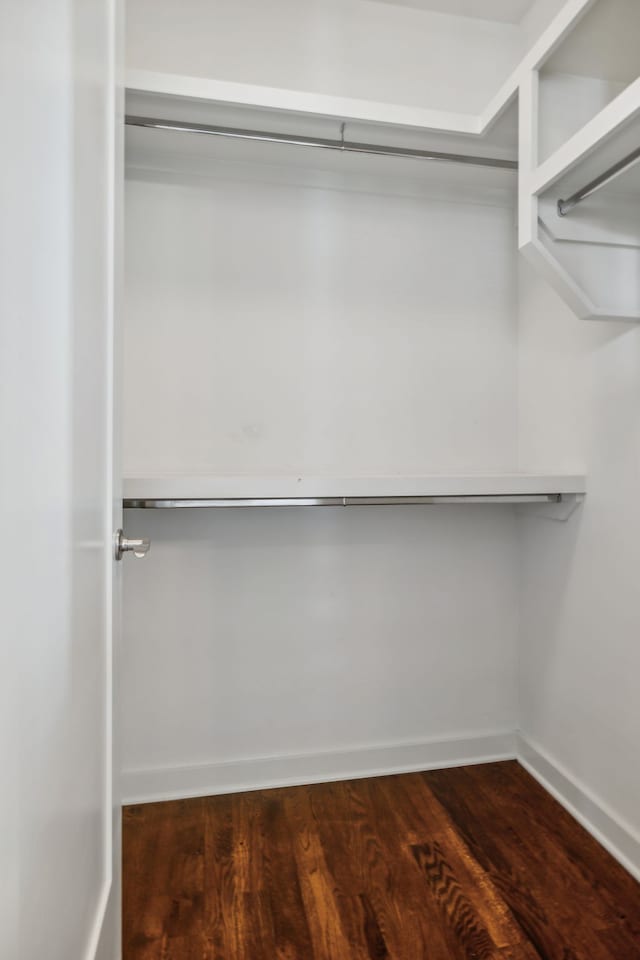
(589,68)
(614,120)
(592,256)
(580,113)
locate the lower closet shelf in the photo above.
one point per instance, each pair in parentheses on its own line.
(219,491)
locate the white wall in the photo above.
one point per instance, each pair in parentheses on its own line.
(274,632)
(579,652)
(353,48)
(276,329)
(567,103)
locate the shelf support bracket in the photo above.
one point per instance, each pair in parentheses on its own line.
(559,511)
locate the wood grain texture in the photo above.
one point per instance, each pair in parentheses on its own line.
(474,863)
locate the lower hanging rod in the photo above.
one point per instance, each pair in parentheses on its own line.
(345,146)
(565,206)
(183,503)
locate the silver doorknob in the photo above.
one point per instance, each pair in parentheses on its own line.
(139,548)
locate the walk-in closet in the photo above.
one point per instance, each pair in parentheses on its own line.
(369,676)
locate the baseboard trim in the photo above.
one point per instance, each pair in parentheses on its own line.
(259,773)
(610,830)
(262,773)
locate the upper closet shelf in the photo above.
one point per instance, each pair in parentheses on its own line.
(202,99)
(562,490)
(243,95)
(184,126)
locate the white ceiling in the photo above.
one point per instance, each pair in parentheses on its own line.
(506,11)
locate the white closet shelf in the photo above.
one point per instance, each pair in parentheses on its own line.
(184,89)
(198,101)
(221,491)
(281,149)
(611,134)
(582,233)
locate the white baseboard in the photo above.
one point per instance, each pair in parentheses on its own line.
(104,943)
(610,830)
(258,773)
(207,779)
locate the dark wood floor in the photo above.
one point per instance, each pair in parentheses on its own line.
(467,864)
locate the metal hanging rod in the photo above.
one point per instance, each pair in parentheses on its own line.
(182,503)
(565,206)
(345,146)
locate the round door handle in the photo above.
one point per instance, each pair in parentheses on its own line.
(139,548)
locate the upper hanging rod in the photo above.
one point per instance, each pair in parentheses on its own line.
(565,206)
(343,145)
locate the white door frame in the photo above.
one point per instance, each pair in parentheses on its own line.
(59,484)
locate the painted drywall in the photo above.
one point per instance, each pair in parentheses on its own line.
(579,656)
(352,48)
(567,103)
(337,332)
(283,631)
(274,329)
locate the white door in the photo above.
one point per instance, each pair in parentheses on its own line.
(58,892)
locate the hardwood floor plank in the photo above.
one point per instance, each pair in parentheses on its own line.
(357,863)
(319,891)
(615,887)
(166,882)
(256,927)
(560,912)
(283,891)
(356,854)
(537,916)
(374,937)
(222,920)
(562,868)
(477,863)
(424,821)
(249,842)
(417,911)
(455,906)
